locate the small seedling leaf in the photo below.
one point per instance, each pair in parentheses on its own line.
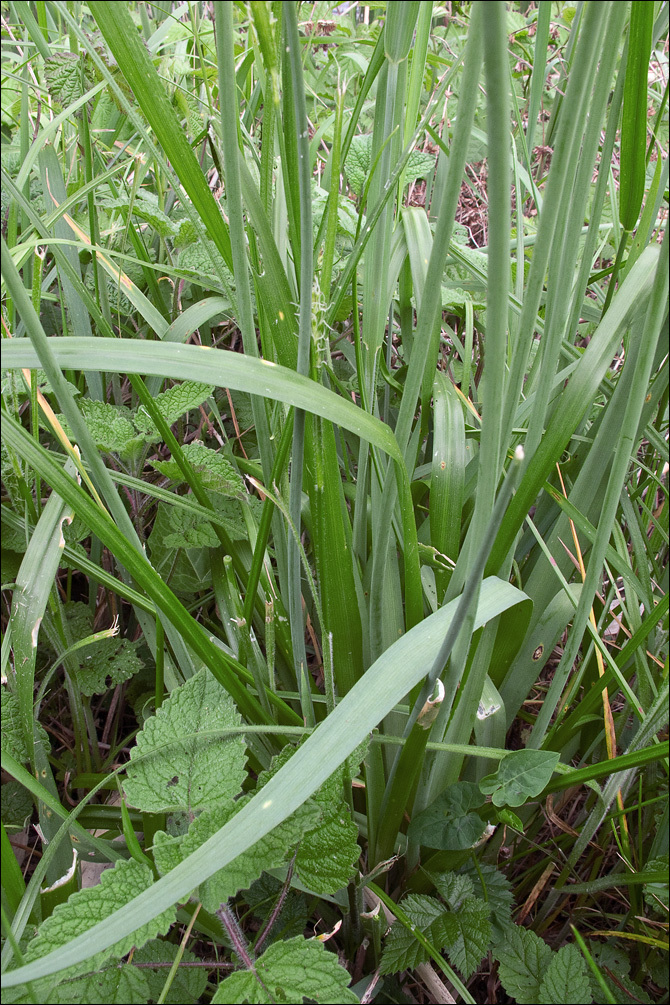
(521,776)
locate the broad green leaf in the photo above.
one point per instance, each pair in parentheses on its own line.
(521,775)
(167,851)
(187,774)
(625,990)
(329,851)
(292,971)
(183,563)
(174,402)
(216,472)
(494,887)
(16,804)
(13,737)
(189,531)
(145,207)
(449,823)
(466,927)
(262,897)
(113,985)
(329,848)
(453,887)
(419,165)
(65,79)
(469,931)
(401,950)
(102,664)
(196,258)
(117,887)
(110,426)
(523,960)
(566,978)
(358,162)
(268,853)
(656,894)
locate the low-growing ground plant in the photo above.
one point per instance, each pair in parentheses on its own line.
(334,506)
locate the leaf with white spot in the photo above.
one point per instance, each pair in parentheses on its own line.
(268,853)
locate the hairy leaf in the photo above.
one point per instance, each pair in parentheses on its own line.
(289,972)
(194,773)
(105,663)
(268,853)
(329,850)
(110,426)
(449,823)
(63,72)
(496,891)
(85,908)
(469,931)
(402,951)
(113,985)
(566,978)
(174,403)
(524,959)
(189,983)
(216,472)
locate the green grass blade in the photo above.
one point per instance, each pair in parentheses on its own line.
(384,684)
(137,67)
(633,160)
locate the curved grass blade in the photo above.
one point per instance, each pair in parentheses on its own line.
(395,673)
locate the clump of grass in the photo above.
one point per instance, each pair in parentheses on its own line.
(377,504)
